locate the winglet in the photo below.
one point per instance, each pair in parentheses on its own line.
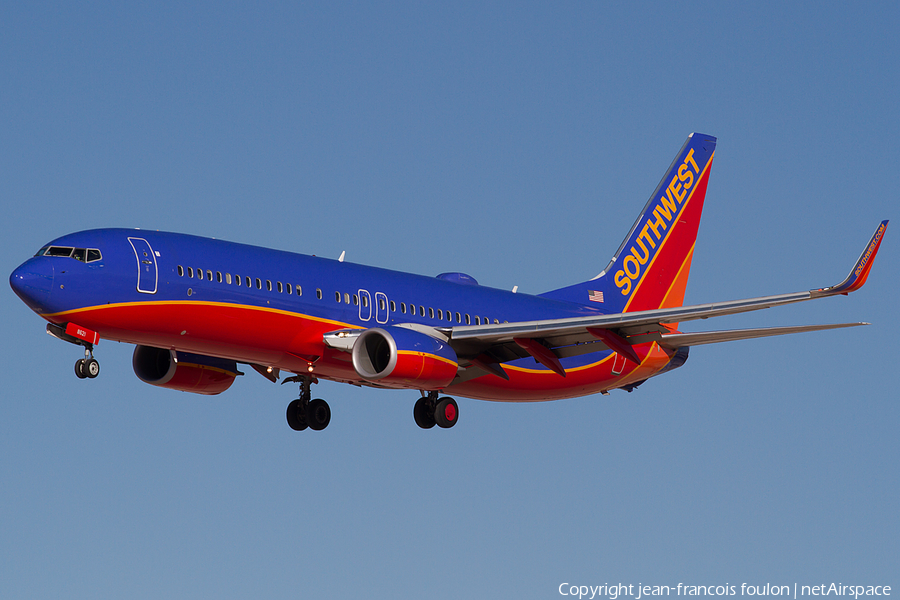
(860,272)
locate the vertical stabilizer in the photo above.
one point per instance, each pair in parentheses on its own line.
(650,269)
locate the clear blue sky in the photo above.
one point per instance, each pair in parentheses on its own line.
(515,142)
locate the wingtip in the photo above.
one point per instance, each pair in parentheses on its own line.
(860,271)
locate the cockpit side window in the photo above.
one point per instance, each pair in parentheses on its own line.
(84,255)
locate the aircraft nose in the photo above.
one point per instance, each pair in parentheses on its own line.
(32,282)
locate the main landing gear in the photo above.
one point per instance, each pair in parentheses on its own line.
(430,411)
(303,412)
(315,414)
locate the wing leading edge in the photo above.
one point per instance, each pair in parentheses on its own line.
(490,345)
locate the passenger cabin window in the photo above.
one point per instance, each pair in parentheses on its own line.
(247,280)
(258,283)
(237,279)
(355,300)
(268,285)
(228,278)
(430,312)
(219,276)
(468,320)
(393,306)
(299,291)
(290,289)
(191,272)
(346,297)
(180,271)
(319,293)
(209,274)
(280,288)
(403,307)
(337,296)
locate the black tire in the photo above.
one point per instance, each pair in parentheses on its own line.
(79,368)
(446,413)
(318,414)
(296,417)
(91,368)
(423,414)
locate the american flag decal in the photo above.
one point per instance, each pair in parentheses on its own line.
(595,296)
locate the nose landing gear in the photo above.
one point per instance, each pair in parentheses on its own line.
(87,367)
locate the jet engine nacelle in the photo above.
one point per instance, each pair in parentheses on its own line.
(397,357)
(183,371)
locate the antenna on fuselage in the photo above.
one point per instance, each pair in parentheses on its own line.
(341,259)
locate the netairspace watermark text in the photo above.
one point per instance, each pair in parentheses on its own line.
(647,592)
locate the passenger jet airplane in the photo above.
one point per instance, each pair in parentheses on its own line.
(195,308)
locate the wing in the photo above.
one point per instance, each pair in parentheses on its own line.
(547,341)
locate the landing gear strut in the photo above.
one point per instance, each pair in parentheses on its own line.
(430,411)
(303,412)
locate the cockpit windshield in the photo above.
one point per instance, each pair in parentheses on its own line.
(85,255)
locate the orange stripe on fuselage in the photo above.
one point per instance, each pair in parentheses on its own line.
(238,332)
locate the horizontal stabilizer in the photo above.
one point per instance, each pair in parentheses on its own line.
(678,340)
